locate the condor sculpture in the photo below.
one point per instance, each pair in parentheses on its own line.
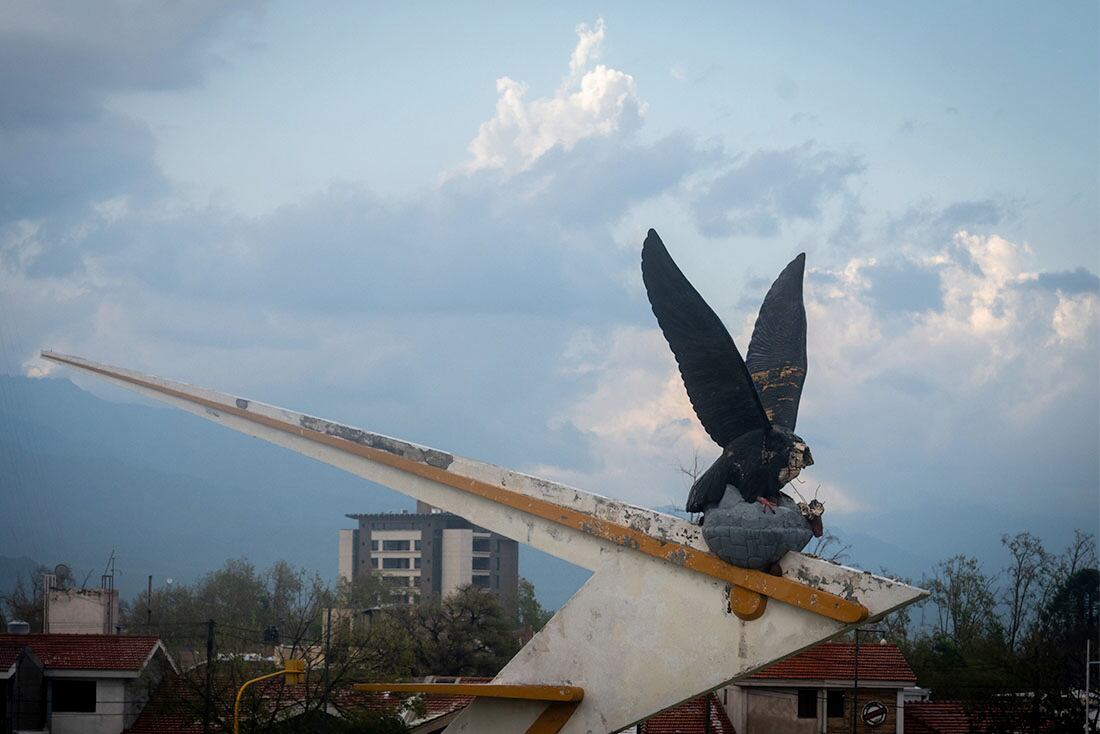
(747,406)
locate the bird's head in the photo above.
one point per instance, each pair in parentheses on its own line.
(790,452)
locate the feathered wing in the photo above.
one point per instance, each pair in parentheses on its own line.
(777,351)
(717,381)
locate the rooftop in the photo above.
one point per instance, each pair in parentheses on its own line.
(703,715)
(836,661)
(85,652)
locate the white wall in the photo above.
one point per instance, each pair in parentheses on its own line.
(347,554)
(109,712)
(458,553)
(82,611)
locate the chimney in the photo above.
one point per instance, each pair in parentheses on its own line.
(19,627)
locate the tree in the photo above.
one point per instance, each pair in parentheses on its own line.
(468,633)
(251,608)
(24,601)
(366,591)
(964,599)
(1025,580)
(531,613)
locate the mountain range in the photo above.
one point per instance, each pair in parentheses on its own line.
(82,477)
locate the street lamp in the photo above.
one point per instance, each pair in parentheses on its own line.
(295,672)
(856,631)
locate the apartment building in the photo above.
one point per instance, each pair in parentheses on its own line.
(429,554)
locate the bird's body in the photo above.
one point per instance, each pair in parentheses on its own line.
(748,406)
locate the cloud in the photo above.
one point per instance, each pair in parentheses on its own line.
(454,302)
(588,46)
(768,188)
(963,382)
(1073,282)
(929,225)
(591,102)
(636,417)
(63,149)
(906,286)
(59,61)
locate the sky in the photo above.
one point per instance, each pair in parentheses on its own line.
(426,220)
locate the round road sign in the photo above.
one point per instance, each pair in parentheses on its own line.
(874,713)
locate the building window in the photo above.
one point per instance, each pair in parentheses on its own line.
(807,703)
(481,545)
(74,696)
(395,563)
(498,563)
(834,704)
(416,563)
(416,545)
(374,563)
(374,545)
(480,564)
(481,582)
(395,545)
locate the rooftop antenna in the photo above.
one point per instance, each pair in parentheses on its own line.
(107,580)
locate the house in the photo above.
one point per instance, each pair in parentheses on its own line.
(90,684)
(813,692)
(24,689)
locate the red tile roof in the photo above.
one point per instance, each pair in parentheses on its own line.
(690,717)
(936,717)
(87,652)
(974,717)
(9,653)
(835,661)
(167,711)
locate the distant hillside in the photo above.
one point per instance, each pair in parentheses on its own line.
(13,570)
(175,495)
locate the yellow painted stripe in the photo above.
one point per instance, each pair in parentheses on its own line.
(553,718)
(776,587)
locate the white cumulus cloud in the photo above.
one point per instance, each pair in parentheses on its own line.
(942,402)
(593,101)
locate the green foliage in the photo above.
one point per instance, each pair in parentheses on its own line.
(467,634)
(1010,644)
(531,614)
(242,600)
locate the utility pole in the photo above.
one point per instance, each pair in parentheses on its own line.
(328,638)
(149,604)
(1089,662)
(209,708)
(855,680)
